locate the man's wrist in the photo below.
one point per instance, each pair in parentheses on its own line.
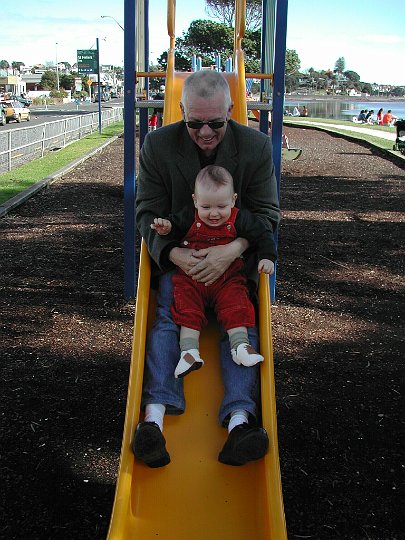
(240,245)
(172,254)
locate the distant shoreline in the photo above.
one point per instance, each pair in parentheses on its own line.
(354,99)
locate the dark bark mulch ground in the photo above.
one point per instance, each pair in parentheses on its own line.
(66,344)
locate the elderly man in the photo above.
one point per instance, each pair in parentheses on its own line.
(170,160)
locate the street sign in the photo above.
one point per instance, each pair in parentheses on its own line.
(89,82)
(87,61)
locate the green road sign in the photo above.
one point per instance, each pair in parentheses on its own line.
(87,61)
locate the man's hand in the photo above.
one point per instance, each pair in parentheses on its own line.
(215,260)
(183,258)
(265,266)
(161,226)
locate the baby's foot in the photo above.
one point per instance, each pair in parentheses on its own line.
(189,361)
(246,355)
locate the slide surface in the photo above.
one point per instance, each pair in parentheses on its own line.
(196,497)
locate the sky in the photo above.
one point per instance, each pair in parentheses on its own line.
(369,34)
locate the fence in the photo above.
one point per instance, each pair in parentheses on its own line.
(19,146)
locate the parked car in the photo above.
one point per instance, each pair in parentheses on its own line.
(2,115)
(105,96)
(25,101)
(16,111)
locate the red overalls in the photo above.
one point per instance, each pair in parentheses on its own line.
(228,295)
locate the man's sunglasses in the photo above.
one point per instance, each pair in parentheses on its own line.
(216,124)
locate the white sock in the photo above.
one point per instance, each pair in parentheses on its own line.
(154,412)
(238,417)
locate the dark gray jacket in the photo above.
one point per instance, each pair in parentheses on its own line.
(169,163)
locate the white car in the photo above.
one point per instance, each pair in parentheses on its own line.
(14,110)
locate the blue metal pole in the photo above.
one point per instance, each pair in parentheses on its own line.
(129,150)
(278,84)
(278,99)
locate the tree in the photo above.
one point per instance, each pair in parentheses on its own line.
(209,38)
(17,65)
(49,80)
(4,64)
(340,64)
(291,82)
(398,91)
(224,11)
(366,88)
(66,81)
(292,62)
(352,76)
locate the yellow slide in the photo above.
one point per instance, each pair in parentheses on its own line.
(195,497)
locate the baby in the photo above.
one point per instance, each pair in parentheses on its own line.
(216,221)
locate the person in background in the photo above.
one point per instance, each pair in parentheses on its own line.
(380,116)
(369,117)
(153,120)
(169,162)
(161,96)
(389,118)
(362,116)
(304,111)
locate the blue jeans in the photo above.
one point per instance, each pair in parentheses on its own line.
(241,384)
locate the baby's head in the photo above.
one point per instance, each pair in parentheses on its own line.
(214,195)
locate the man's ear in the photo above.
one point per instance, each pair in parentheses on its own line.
(234,197)
(182,110)
(194,200)
(228,115)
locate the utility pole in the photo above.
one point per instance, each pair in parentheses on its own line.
(57,69)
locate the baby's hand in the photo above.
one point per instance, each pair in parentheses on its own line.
(161,226)
(265,266)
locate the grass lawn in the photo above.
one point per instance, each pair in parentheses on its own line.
(20,178)
(330,125)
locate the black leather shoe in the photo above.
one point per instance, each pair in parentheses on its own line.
(245,443)
(149,445)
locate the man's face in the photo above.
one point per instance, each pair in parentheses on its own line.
(206,110)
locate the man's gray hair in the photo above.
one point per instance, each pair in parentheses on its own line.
(206,84)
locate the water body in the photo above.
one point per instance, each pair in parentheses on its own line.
(343,109)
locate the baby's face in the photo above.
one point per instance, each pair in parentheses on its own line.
(214,206)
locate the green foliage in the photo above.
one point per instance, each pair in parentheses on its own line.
(352,76)
(58,94)
(366,88)
(209,38)
(291,82)
(17,65)
(224,11)
(398,91)
(66,81)
(4,64)
(292,62)
(340,64)
(49,80)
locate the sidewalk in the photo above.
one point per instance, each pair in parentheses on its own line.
(354,127)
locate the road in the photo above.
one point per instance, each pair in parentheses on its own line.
(41,114)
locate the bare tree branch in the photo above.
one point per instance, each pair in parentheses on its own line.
(224,11)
